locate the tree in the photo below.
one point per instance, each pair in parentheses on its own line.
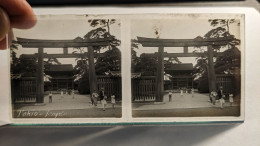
(102,23)
(109,61)
(134,59)
(230,57)
(146,65)
(14,60)
(50,62)
(102,30)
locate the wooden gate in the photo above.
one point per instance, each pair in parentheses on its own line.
(227,82)
(143,89)
(111,85)
(24,90)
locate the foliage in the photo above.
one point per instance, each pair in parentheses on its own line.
(134,58)
(147,65)
(83,84)
(14,60)
(110,61)
(229,58)
(49,62)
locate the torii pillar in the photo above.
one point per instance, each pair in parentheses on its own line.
(211,70)
(160,75)
(92,70)
(40,78)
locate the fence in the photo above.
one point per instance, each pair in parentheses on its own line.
(143,89)
(24,90)
(111,85)
(227,82)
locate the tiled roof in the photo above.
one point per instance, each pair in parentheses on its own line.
(61,67)
(181,67)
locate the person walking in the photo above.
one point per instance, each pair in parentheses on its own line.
(170,96)
(103,98)
(192,92)
(50,97)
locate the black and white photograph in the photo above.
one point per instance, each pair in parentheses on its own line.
(67,66)
(187,67)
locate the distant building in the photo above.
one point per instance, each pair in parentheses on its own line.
(181,76)
(61,76)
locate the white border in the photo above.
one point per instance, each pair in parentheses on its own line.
(93,10)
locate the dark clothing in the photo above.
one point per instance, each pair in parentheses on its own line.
(101,95)
(50,99)
(219,94)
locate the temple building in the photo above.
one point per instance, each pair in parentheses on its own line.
(180,76)
(61,77)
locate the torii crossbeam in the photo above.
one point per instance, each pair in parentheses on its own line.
(65,44)
(185,43)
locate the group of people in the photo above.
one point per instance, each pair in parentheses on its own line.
(182,91)
(71,92)
(103,98)
(94,97)
(221,96)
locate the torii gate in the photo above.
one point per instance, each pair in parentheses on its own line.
(185,43)
(65,44)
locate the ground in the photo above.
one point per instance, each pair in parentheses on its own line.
(185,106)
(81,107)
(66,107)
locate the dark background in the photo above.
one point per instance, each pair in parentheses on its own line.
(127,135)
(84,2)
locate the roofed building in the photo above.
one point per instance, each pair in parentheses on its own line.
(181,76)
(61,76)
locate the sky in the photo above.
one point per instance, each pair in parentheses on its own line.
(173,29)
(69,27)
(59,28)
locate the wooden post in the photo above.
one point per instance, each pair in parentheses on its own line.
(92,71)
(211,70)
(159,76)
(40,82)
(185,50)
(65,50)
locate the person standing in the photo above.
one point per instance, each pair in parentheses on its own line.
(170,96)
(94,97)
(213,95)
(181,92)
(72,92)
(113,100)
(102,98)
(220,92)
(222,101)
(61,94)
(50,97)
(192,92)
(231,99)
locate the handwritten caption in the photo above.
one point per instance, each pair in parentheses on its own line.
(36,114)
